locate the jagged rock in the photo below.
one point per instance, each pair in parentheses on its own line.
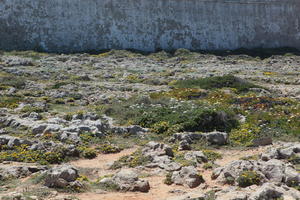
(184,145)
(187,176)
(270,191)
(231,194)
(4,139)
(270,171)
(262,141)
(39,128)
(281,152)
(218,138)
(127,180)
(18,142)
(160,156)
(35,116)
(157,149)
(169,166)
(188,137)
(52,128)
(196,156)
(20,171)
(61,176)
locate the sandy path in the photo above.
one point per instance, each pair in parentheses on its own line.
(158,191)
(102,161)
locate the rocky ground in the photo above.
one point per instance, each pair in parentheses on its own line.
(161,126)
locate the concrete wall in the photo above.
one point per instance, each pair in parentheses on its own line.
(82,25)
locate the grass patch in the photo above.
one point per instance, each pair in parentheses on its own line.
(212,155)
(8,80)
(9,102)
(227,81)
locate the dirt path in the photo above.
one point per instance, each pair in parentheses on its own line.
(158,190)
(101,162)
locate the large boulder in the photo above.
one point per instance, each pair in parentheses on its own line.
(271,171)
(187,176)
(217,138)
(271,191)
(267,191)
(127,180)
(285,152)
(61,176)
(161,156)
(20,171)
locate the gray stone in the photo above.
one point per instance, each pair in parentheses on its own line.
(262,141)
(18,142)
(187,176)
(39,128)
(61,176)
(196,156)
(127,180)
(266,192)
(218,138)
(184,145)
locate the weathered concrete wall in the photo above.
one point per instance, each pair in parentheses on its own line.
(82,25)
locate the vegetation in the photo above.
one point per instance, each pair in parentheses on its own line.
(227,81)
(23,154)
(89,153)
(7,80)
(247,178)
(133,160)
(168,179)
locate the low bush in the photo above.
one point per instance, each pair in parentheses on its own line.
(12,81)
(168,179)
(212,155)
(133,160)
(108,148)
(226,81)
(244,135)
(23,154)
(89,153)
(248,178)
(9,102)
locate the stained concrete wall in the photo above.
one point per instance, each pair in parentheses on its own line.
(83,25)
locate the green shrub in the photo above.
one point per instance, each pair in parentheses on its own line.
(244,135)
(9,102)
(229,81)
(134,160)
(108,148)
(160,127)
(248,178)
(89,153)
(168,179)
(295,160)
(29,109)
(109,186)
(59,84)
(179,158)
(12,81)
(212,155)
(197,119)
(207,166)
(23,154)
